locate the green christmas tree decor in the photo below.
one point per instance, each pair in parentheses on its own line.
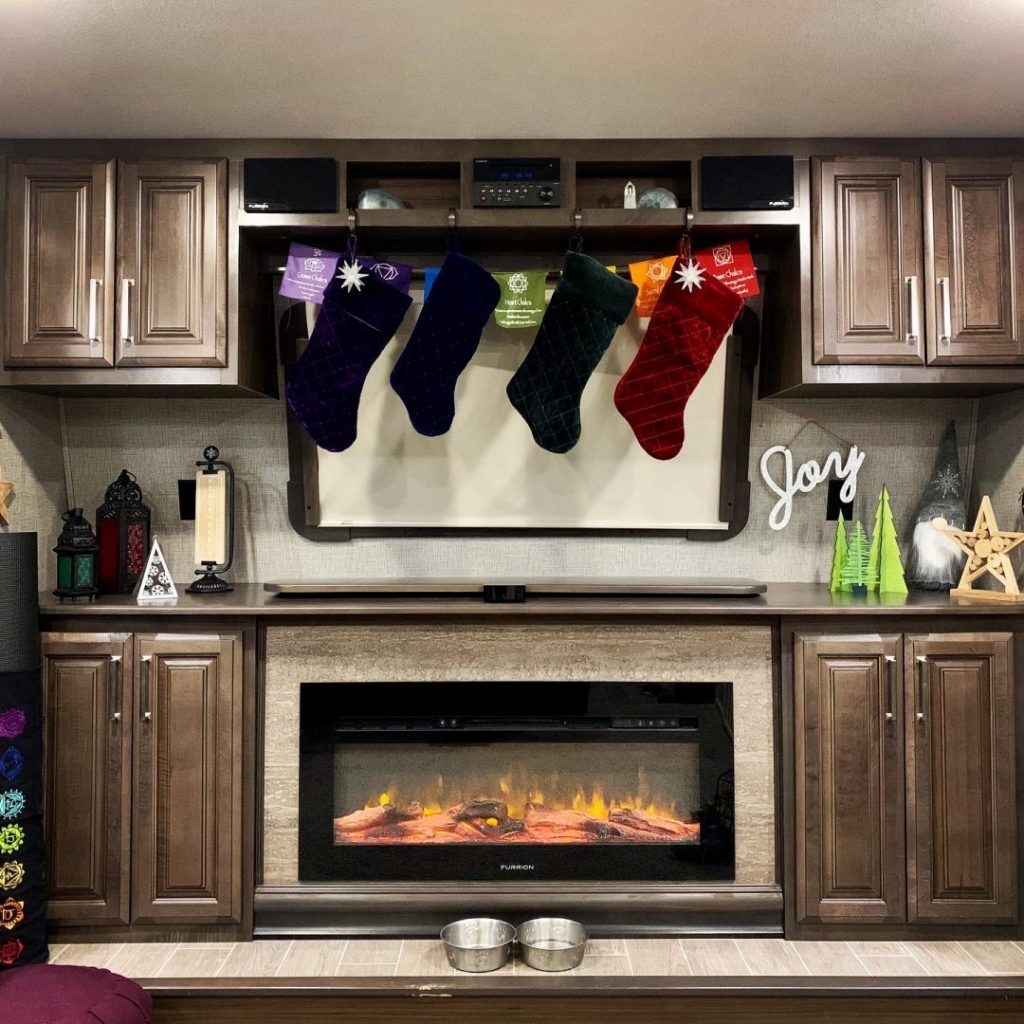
(838,556)
(855,571)
(886,570)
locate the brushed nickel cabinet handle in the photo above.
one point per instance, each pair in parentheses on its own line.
(114,687)
(146,714)
(127,284)
(890,686)
(922,667)
(946,334)
(95,284)
(914,318)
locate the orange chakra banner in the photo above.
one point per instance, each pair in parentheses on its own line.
(650,277)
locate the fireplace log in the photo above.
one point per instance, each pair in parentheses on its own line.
(482,809)
(374,817)
(652,826)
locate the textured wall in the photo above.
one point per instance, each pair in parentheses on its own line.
(31,458)
(159,439)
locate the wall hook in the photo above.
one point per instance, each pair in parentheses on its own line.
(351,221)
(451,219)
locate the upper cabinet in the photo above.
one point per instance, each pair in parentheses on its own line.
(868,303)
(974,237)
(172,275)
(918,263)
(60,264)
(114,268)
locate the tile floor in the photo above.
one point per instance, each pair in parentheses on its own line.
(365,958)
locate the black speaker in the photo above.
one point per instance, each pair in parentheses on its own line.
(291,185)
(746,183)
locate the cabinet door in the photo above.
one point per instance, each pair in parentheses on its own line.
(60,264)
(961,828)
(974,229)
(87,710)
(187,829)
(867,296)
(849,779)
(173,275)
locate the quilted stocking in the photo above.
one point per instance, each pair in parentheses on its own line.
(587,307)
(693,315)
(443,341)
(360,315)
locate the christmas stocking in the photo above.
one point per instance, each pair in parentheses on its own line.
(587,307)
(693,315)
(443,341)
(360,315)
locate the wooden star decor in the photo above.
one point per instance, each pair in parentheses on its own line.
(988,550)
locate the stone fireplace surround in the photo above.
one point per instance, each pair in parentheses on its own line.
(529,652)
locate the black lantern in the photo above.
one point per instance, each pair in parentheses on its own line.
(76,557)
(122,529)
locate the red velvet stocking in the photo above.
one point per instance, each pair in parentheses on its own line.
(693,315)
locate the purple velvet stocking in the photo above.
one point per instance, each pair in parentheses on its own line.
(360,315)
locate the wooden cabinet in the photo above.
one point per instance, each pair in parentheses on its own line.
(918,262)
(905,779)
(172,276)
(187,793)
(974,238)
(87,710)
(60,264)
(849,760)
(168,226)
(143,778)
(961,819)
(868,261)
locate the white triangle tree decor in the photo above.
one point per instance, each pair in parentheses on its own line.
(156,584)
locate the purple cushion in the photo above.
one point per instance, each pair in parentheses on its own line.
(51,994)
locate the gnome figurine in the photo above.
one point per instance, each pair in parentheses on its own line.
(935,562)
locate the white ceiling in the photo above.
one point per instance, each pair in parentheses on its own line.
(510,68)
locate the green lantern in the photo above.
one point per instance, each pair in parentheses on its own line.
(76,557)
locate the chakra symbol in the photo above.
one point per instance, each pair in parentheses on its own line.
(12,874)
(518,282)
(385,271)
(657,271)
(12,803)
(12,912)
(314,266)
(11,762)
(11,838)
(10,951)
(12,723)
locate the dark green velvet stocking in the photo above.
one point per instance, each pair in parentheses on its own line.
(586,309)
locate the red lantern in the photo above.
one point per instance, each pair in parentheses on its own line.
(122,529)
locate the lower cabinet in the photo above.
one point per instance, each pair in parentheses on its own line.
(143,778)
(905,790)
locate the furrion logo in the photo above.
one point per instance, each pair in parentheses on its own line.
(517,867)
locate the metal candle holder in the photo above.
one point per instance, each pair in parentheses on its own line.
(209,581)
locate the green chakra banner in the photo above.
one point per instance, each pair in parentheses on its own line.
(522,298)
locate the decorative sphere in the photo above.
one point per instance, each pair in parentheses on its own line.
(211,453)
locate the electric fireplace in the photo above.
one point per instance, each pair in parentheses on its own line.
(500,780)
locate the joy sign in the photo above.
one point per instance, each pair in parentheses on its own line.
(806,478)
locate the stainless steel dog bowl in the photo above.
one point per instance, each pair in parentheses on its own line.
(552,943)
(478,944)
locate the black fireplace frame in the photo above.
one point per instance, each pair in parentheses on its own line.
(481,715)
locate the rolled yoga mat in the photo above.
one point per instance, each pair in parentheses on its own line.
(22,890)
